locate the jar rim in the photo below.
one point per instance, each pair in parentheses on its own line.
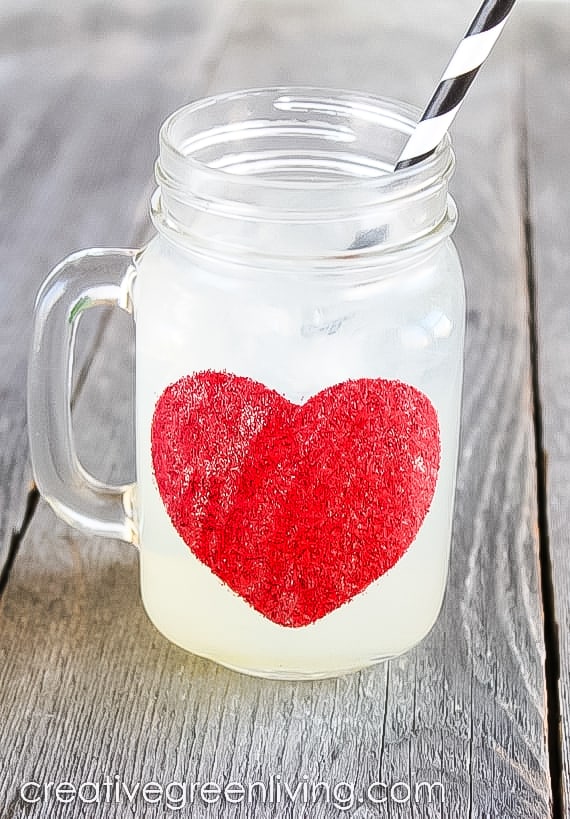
(402,116)
(298,173)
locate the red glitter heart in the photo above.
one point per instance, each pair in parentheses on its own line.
(296,508)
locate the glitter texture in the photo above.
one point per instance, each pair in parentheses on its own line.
(295,508)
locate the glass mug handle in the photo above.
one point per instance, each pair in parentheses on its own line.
(86,279)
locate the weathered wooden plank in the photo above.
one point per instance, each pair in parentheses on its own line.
(547,81)
(80,114)
(99,692)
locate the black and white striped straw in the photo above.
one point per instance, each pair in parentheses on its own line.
(461,70)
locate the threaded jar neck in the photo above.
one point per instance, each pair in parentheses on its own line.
(293,174)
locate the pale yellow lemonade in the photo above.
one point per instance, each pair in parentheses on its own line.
(297,337)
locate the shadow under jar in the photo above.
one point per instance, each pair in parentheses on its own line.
(299,342)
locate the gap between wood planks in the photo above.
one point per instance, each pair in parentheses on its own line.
(18,535)
(551,630)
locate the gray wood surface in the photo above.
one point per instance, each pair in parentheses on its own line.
(87,687)
(548,162)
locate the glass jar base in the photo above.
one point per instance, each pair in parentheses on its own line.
(291,673)
(299,676)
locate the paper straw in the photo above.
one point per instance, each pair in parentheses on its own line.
(461,70)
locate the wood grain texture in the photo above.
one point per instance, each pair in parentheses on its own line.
(547,80)
(90,689)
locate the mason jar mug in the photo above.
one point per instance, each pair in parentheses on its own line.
(299,321)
